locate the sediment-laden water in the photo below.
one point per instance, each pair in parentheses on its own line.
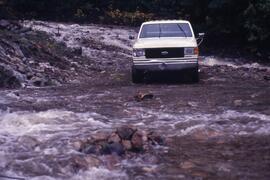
(216,129)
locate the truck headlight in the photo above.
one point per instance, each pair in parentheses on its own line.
(192,51)
(138,52)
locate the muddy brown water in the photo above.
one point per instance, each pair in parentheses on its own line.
(215,129)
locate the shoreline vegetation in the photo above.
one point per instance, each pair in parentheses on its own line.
(233,27)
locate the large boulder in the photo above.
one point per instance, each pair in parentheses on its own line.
(9,78)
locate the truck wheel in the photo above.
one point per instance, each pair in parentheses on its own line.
(136,76)
(195,75)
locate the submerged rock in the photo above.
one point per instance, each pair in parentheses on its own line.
(238,102)
(28,142)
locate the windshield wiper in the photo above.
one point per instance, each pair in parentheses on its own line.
(178,25)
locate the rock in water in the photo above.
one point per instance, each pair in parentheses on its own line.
(156,139)
(114,138)
(137,141)
(9,78)
(89,149)
(92,161)
(114,148)
(78,145)
(143,96)
(127,145)
(125,132)
(101,136)
(126,139)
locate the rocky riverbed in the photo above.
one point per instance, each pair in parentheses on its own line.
(216,129)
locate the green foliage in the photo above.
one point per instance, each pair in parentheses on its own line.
(131,18)
(256,20)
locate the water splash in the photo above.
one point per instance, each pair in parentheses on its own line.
(213,61)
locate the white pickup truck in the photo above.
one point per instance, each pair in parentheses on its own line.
(165,46)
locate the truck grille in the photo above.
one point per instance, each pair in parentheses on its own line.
(164,53)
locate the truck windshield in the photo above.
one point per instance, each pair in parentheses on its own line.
(166,30)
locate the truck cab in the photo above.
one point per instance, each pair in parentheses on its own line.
(165,46)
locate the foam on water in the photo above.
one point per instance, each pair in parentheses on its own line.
(90,174)
(213,61)
(3,100)
(100,173)
(33,123)
(53,127)
(234,122)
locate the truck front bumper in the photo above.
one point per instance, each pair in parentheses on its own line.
(165,64)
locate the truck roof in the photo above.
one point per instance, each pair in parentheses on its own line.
(165,21)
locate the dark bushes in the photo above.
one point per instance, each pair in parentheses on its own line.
(244,20)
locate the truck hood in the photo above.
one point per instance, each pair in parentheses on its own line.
(164,42)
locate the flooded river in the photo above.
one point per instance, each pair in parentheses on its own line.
(216,129)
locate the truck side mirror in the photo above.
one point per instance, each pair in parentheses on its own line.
(201,35)
(131,37)
(200,38)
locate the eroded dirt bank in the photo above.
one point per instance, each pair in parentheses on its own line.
(216,129)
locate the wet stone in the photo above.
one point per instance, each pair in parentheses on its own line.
(78,145)
(137,141)
(127,144)
(101,135)
(125,132)
(92,161)
(38,81)
(156,139)
(9,78)
(143,96)
(114,148)
(111,161)
(114,138)
(126,140)
(89,149)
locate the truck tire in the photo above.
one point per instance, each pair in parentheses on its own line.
(136,76)
(195,75)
